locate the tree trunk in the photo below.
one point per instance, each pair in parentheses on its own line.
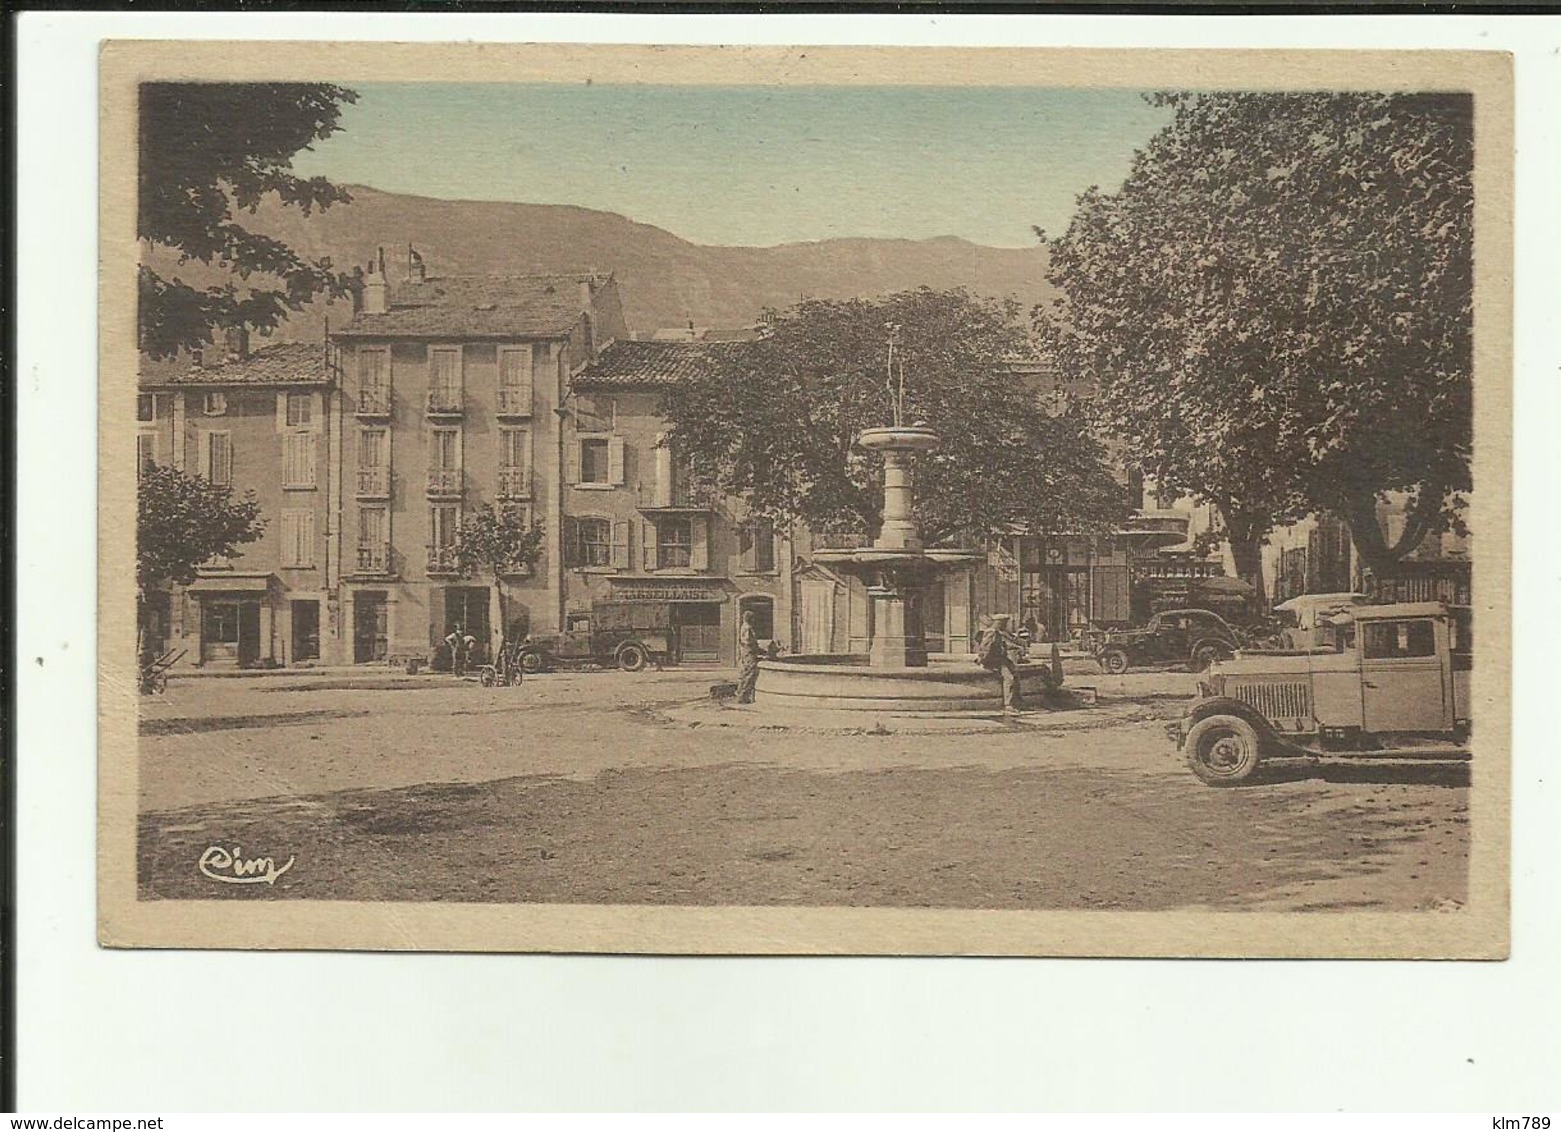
(1377,556)
(1245,532)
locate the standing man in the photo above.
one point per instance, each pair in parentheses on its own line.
(747,659)
(998,651)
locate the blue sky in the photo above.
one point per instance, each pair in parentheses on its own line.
(754,165)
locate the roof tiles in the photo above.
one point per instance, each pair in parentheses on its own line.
(492,306)
(631,364)
(284,363)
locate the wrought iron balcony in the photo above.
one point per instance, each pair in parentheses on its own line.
(444,483)
(374,559)
(444,403)
(374,483)
(442,560)
(682,497)
(514,483)
(373,403)
(514,402)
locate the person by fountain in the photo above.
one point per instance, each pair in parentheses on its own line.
(999,651)
(747,659)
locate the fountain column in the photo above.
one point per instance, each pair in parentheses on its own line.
(899,529)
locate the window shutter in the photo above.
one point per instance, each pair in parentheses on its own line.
(620,545)
(571,541)
(573,471)
(306,539)
(289,538)
(515,376)
(699,555)
(748,540)
(648,544)
(219,458)
(615,461)
(281,411)
(316,412)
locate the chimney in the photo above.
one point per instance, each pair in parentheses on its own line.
(376,288)
(236,338)
(587,292)
(355,289)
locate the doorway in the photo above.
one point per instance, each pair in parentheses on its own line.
(467,606)
(230,632)
(818,615)
(370,628)
(698,627)
(306,630)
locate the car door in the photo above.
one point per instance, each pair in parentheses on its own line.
(1403,680)
(1169,642)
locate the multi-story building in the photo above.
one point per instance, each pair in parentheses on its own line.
(638,528)
(453,397)
(256,421)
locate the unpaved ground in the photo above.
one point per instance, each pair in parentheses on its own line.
(617,789)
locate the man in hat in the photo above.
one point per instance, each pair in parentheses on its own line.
(998,650)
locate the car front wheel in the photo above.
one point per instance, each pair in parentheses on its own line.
(531,663)
(631,658)
(1114,661)
(1223,750)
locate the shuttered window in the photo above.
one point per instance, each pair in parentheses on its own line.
(219,458)
(298,460)
(595,547)
(515,380)
(371,448)
(758,546)
(298,538)
(444,374)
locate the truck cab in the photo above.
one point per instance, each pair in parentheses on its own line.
(1397,687)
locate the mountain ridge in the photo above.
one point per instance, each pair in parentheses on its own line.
(665,280)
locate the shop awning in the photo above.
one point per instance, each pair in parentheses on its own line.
(1220,584)
(232,584)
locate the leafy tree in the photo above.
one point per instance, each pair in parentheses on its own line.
(498,541)
(1276,307)
(184,520)
(206,149)
(775,421)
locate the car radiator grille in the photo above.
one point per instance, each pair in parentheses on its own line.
(1278,701)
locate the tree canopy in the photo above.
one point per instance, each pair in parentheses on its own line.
(775,421)
(1276,308)
(207,149)
(184,520)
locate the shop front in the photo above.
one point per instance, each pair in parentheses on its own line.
(699,612)
(235,620)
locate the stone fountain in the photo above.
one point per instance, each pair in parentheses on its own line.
(895,674)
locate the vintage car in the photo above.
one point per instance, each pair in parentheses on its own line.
(1399,690)
(627,634)
(1194,637)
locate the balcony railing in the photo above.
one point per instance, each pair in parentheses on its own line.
(373,483)
(514,483)
(444,402)
(442,560)
(682,497)
(373,402)
(514,402)
(373,559)
(444,483)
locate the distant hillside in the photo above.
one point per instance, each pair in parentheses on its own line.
(665,281)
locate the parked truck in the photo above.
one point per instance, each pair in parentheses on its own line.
(625,634)
(1398,689)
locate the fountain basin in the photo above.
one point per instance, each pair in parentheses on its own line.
(846,682)
(898,438)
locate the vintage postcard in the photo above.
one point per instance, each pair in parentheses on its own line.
(805,500)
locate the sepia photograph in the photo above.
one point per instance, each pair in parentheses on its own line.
(882,501)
